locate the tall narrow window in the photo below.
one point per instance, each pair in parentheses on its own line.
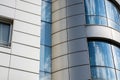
(5,34)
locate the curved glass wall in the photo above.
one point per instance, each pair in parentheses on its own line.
(104,60)
(45,48)
(102,12)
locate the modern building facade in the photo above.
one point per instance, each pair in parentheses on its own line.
(20,39)
(59,40)
(85,40)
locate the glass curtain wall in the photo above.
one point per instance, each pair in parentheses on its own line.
(45,48)
(102,12)
(104,60)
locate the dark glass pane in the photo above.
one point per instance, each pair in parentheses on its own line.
(116,53)
(46,11)
(100,54)
(96,20)
(45,58)
(4,33)
(46,34)
(0,33)
(100,73)
(95,7)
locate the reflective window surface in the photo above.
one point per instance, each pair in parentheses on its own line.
(116,53)
(45,76)
(45,58)
(95,7)
(46,11)
(112,12)
(101,12)
(104,60)
(96,20)
(100,54)
(45,48)
(46,34)
(4,34)
(100,73)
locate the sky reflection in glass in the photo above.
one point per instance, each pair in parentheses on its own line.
(99,12)
(46,34)
(100,73)
(100,54)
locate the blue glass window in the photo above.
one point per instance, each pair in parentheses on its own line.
(102,12)
(4,34)
(45,76)
(46,11)
(96,20)
(95,7)
(116,53)
(46,34)
(45,48)
(100,73)
(112,12)
(100,54)
(45,58)
(113,25)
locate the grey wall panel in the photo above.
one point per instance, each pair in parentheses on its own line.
(71,10)
(59,63)
(58,4)
(76,32)
(59,50)
(80,72)
(75,20)
(79,58)
(59,37)
(77,45)
(69,36)
(61,75)
(59,25)
(59,14)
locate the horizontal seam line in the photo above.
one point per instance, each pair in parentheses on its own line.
(26,33)
(68,41)
(27,22)
(30,2)
(69,68)
(66,6)
(20,10)
(25,44)
(18,69)
(76,52)
(24,57)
